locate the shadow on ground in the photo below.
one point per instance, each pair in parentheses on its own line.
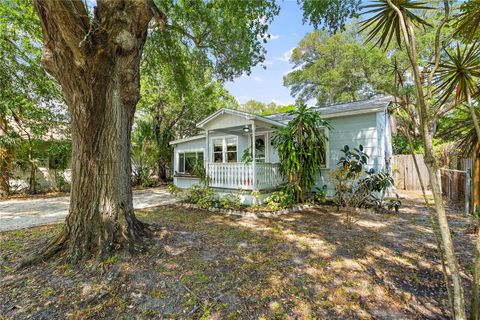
(305,265)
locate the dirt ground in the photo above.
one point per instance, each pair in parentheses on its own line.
(200,265)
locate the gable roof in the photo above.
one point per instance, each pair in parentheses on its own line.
(342,109)
(238,113)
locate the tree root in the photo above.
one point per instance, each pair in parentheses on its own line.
(75,252)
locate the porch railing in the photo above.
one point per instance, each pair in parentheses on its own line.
(240,175)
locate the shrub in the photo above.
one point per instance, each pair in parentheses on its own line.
(230,201)
(173,189)
(281,199)
(201,195)
(355,187)
(320,195)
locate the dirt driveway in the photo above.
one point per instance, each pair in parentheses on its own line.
(24,213)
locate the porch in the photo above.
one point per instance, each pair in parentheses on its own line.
(245,176)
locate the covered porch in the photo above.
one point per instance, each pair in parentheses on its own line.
(239,151)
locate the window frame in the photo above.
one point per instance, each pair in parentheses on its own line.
(327,147)
(177,160)
(224,148)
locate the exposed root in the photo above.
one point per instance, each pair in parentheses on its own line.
(77,248)
(55,246)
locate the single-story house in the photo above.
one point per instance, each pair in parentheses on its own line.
(228,133)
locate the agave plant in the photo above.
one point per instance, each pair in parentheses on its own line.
(384,23)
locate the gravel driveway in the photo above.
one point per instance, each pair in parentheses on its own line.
(24,213)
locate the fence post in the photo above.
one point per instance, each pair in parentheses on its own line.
(468,185)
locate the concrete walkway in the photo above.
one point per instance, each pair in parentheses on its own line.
(24,213)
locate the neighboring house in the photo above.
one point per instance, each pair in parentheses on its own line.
(228,133)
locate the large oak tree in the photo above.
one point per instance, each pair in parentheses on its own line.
(95,56)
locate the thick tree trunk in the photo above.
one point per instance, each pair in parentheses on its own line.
(97,62)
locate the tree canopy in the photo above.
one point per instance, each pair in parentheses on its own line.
(337,68)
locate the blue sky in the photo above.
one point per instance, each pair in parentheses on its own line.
(266,85)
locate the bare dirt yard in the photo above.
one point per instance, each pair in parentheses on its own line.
(200,265)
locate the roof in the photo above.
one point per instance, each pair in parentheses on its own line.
(200,136)
(342,109)
(244,114)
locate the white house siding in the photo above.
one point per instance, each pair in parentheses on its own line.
(370,130)
(353,131)
(200,145)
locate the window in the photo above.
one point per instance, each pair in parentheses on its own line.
(224,149)
(189,162)
(217,150)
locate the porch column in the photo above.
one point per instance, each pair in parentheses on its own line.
(254,161)
(206,159)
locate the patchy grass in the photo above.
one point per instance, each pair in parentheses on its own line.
(306,265)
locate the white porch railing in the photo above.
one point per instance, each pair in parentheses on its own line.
(240,176)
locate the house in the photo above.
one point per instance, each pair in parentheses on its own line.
(228,133)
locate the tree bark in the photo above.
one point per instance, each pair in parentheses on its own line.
(96,61)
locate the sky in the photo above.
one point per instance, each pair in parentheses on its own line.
(266,85)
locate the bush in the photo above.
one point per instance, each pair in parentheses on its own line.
(355,187)
(201,195)
(230,201)
(281,199)
(173,189)
(320,195)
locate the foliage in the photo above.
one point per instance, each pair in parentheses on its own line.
(201,195)
(394,204)
(337,68)
(467,23)
(383,23)
(320,195)
(281,199)
(329,14)
(256,198)
(173,189)
(230,201)
(353,185)
(260,108)
(142,153)
(301,148)
(30,101)
(458,74)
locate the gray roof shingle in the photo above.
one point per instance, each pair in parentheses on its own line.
(363,105)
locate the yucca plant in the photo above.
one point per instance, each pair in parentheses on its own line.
(384,23)
(301,148)
(458,76)
(467,23)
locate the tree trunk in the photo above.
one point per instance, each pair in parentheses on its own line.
(474,303)
(97,63)
(434,224)
(430,162)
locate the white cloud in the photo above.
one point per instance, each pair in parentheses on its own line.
(286,56)
(257,79)
(274,36)
(268,62)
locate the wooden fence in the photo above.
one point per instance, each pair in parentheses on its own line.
(405,174)
(456,180)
